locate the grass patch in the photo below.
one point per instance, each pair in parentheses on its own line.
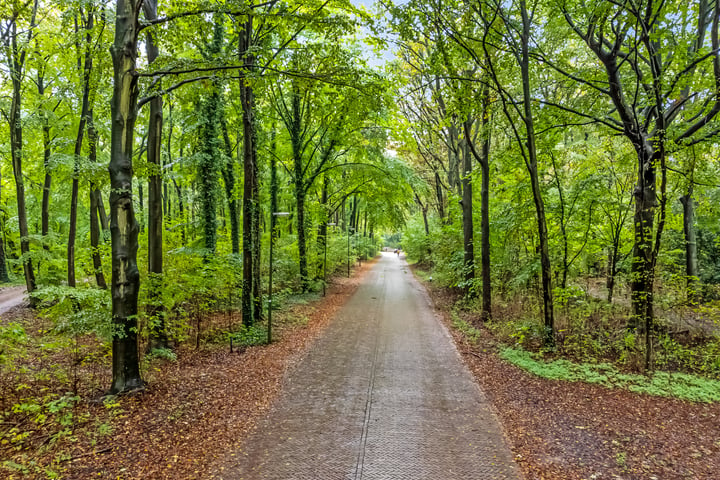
(678,385)
(468,331)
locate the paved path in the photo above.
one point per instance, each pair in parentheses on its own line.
(382,395)
(11,297)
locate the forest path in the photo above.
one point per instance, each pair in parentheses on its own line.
(382,395)
(11,297)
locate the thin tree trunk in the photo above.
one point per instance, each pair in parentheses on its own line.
(181,208)
(440,197)
(691,261)
(157,335)
(548,313)
(45,208)
(4,277)
(16,64)
(467,212)
(257,251)
(95,201)
(563,226)
(86,65)
(228,172)
(485,208)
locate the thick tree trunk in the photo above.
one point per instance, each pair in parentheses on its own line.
(691,261)
(209,164)
(123,225)
(247,100)
(157,335)
(95,201)
(207,174)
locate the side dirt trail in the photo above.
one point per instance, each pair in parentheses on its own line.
(383,394)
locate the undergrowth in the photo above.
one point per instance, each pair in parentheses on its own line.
(679,385)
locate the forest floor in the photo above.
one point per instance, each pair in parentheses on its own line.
(193,411)
(197,409)
(561,430)
(200,407)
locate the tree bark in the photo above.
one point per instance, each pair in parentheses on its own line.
(47,183)
(86,65)
(228,172)
(95,201)
(691,261)
(467,212)
(157,335)
(123,225)
(16,64)
(247,100)
(548,312)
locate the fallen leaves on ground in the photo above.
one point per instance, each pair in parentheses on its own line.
(196,411)
(562,430)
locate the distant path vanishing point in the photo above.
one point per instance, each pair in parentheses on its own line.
(382,395)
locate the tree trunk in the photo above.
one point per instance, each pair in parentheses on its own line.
(157,335)
(467,212)
(16,64)
(302,250)
(45,208)
(642,278)
(228,172)
(181,209)
(257,251)
(4,277)
(247,100)
(273,230)
(95,201)
(209,164)
(691,261)
(440,197)
(86,66)
(563,226)
(295,132)
(123,225)
(548,313)
(485,208)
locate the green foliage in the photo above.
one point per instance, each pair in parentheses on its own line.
(468,331)
(12,340)
(248,336)
(77,311)
(679,385)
